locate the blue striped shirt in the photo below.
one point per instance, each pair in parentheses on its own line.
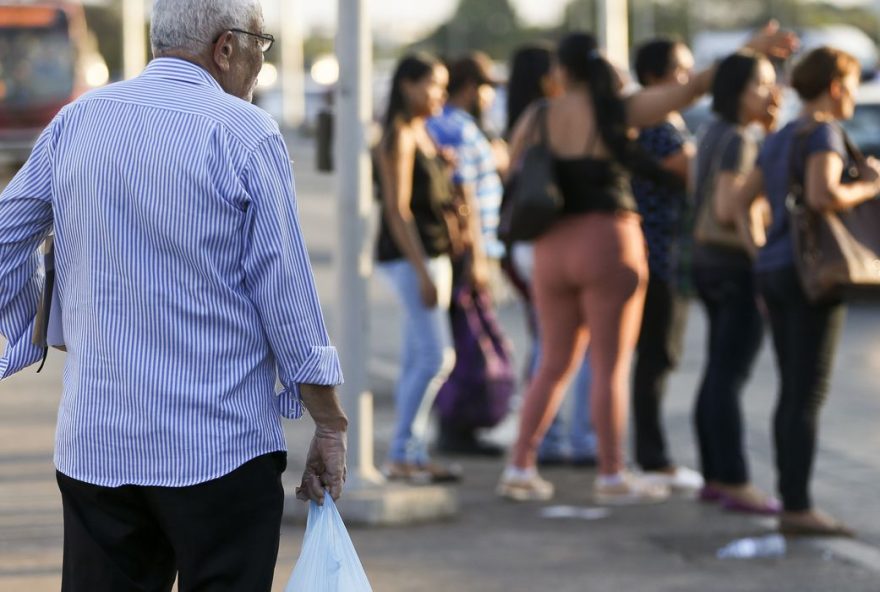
(183,277)
(458,130)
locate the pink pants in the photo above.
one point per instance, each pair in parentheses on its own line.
(591,272)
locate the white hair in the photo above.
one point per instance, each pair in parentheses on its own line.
(191,24)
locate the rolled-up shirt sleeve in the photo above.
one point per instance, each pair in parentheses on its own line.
(279,278)
(25,221)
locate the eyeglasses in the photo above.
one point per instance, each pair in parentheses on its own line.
(266,40)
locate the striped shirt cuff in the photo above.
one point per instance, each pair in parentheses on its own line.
(321,367)
(17,322)
(20,354)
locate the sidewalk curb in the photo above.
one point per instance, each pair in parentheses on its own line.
(389,505)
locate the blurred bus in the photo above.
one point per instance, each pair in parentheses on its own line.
(47,59)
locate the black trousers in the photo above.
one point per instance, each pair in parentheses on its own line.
(735,334)
(659,351)
(220,536)
(805,337)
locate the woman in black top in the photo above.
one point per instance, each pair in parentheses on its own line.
(590,267)
(413,252)
(533,78)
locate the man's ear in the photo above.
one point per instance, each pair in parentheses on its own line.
(223,50)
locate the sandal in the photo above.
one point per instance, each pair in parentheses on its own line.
(531,488)
(632,489)
(421,474)
(748,499)
(437,473)
(813,524)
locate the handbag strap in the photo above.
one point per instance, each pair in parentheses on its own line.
(797,194)
(541,122)
(722,146)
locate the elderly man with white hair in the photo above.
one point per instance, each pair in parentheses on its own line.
(186,292)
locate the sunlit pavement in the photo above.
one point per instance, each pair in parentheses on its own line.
(498,546)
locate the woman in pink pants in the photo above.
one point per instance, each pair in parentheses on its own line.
(591,267)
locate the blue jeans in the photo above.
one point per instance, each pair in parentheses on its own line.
(426,356)
(581,437)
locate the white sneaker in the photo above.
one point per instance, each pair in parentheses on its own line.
(629,490)
(524,489)
(683,480)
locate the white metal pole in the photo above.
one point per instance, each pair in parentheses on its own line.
(134,39)
(292,76)
(354,263)
(614,31)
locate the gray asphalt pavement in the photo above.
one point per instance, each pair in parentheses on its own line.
(497,546)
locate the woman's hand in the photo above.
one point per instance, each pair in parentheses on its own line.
(869,170)
(770,121)
(774,42)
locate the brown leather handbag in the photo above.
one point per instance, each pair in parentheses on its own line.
(836,253)
(708,229)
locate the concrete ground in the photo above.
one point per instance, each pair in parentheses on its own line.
(494,545)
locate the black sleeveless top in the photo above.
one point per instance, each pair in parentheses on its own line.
(588,184)
(431,193)
(593,185)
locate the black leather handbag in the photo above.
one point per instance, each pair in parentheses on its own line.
(533,201)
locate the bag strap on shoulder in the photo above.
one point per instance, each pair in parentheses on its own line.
(541,122)
(798,148)
(721,148)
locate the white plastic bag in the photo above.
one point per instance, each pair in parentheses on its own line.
(327,561)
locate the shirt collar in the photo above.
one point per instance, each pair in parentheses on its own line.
(453,110)
(182,70)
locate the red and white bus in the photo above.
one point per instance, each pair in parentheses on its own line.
(45,59)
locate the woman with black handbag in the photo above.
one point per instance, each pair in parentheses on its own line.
(590,265)
(812,150)
(572,441)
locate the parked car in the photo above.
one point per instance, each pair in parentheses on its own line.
(864,127)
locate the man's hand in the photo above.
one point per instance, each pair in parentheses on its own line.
(325,466)
(325,463)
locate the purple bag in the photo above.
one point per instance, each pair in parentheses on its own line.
(477,393)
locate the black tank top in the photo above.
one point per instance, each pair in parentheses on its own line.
(431,193)
(593,185)
(588,184)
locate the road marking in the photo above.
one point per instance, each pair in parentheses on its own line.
(852,551)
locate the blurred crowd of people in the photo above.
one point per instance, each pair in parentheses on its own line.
(650,215)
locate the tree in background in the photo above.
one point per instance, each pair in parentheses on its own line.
(105,23)
(491,26)
(684,18)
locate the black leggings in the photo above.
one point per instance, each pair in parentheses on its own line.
(735,334)
(659,350)
(805,337)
